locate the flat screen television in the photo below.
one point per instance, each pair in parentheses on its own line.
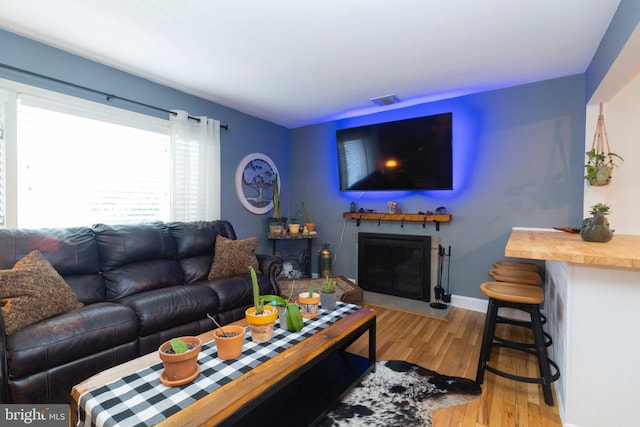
(411,154)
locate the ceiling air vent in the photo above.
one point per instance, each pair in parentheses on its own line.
(385,100)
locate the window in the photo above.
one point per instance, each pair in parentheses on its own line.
(3,162)
(78,163)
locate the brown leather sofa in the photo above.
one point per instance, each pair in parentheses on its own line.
(141,284)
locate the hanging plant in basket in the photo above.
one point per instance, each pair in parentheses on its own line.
(600,163)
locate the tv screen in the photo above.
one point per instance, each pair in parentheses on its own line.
(411,154)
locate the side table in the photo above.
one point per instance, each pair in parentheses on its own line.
(306,267)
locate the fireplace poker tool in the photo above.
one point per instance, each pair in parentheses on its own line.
(439,291)
(447,296)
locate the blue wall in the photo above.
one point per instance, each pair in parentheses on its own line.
(248,134)
(518,156)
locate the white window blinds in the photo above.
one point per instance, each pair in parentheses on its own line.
(78,166)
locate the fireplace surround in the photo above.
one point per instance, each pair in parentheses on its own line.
(398,264)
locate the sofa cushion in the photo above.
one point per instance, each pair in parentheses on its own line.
(233,257)
(32,291)
(166,308)
(237,291)
(70,336)
(73,252)
(195,242)
(137,258)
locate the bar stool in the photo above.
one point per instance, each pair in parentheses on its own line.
(524,278)
(517,265)
(527,298)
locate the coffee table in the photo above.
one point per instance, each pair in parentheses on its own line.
(297,386)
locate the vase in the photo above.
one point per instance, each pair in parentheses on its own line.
(229,347)
(596,229)
(261,325)
(309,305)
(282,315)
(328,301)
(294,228)
(276,225)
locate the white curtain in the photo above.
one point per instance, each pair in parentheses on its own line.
(195,178)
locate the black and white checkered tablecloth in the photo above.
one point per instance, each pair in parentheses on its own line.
(140,399)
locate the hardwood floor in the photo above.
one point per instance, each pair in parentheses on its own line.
(452,347)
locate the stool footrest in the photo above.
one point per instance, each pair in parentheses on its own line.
(534,380)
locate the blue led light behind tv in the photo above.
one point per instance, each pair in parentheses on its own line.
(420,147)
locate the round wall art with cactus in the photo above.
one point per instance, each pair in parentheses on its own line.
(255,177)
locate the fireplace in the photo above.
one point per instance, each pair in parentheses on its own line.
(398,264)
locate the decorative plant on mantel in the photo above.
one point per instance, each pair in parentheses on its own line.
(600,164)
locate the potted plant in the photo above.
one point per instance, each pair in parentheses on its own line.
(309,302)
(309,225)
(229,340)
(277,224)
(290,317)
(599,167)
(596,228)
(260,318)
(294,224)
(600,163)
(328,294)
(180,359)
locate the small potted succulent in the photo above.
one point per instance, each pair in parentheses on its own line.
(309,302)
(328,294)
(261,318)
(229,340)
(180,359)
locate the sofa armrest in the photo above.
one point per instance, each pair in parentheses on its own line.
(4,366)
(271,266)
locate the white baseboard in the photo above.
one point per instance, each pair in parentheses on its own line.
(469,303)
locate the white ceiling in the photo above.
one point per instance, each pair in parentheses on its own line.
(300,62)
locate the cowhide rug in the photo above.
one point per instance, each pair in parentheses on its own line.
(400,394)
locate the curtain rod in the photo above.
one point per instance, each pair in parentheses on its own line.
(109,96)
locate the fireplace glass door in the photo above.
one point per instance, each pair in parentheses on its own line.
(395,264)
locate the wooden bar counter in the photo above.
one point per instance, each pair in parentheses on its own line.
(552,245)
(592,302)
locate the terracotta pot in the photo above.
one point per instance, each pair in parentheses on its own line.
(309,305)
(261,325)
(229,347)
(180,367)
(310,226)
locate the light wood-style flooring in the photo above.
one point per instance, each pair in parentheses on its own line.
(452,347)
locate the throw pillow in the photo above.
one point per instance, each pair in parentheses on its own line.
(32,291)
(233,257)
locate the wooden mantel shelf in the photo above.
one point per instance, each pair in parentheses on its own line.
(409,217)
